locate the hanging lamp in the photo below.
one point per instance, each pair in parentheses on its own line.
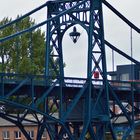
(74,35)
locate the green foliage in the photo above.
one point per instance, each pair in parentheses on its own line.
(24,54)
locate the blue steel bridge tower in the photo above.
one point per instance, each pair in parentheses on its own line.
(84,110)
(93,115)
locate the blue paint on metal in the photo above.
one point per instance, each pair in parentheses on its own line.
(93,101)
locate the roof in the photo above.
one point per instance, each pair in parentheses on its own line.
(5,123)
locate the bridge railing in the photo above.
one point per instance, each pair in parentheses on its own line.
(129,84)
(67,81)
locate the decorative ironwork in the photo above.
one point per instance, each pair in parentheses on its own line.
(74,35)
(71,108)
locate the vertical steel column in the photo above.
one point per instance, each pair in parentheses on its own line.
(17,50)
(104,69)
(61,69)
(76,130)
(96,54)
(132,77)
(87,115)
(47,59)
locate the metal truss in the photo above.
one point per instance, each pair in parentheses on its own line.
(71,108)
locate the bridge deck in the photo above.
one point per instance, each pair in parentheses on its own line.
(69,90)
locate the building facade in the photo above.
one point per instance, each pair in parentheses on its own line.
(9,131)
(126,72)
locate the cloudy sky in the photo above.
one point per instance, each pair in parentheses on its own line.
(117,32)
(12,8)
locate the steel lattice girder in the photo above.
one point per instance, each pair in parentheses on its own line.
(89,16)
(95,117)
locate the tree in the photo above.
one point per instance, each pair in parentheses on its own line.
(24,54)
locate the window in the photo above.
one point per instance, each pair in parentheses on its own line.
(31,133)
(124,77)
(5,135)
(65,136)
(114,77)
(139,75)
(17,135)
(44,135)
